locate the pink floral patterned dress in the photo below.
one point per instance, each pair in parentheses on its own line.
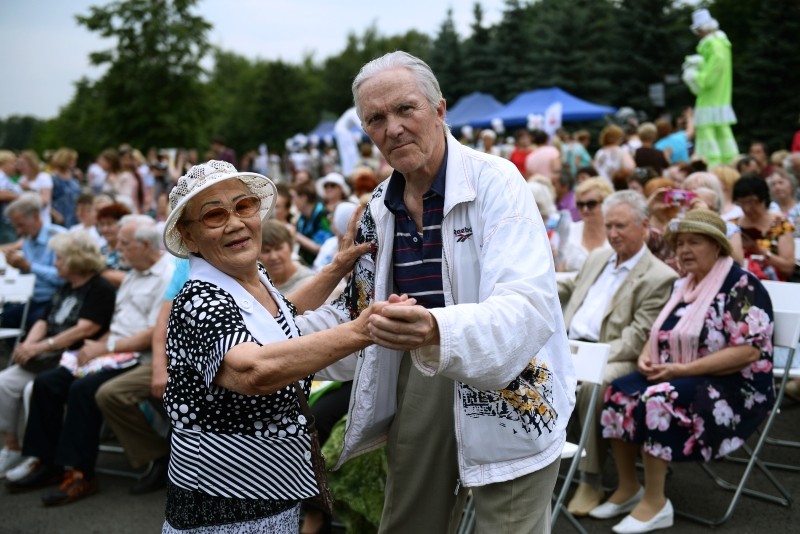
(701,417)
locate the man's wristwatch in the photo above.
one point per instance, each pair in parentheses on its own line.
(111,344)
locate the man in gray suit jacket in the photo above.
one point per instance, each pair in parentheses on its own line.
(613,299)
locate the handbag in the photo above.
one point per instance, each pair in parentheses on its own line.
(323,500)
(42,362)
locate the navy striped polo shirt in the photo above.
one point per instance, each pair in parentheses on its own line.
(418,257)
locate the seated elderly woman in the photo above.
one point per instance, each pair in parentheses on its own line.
(80,309)
(241,457)
(590,232)
(704,380)
(276,257)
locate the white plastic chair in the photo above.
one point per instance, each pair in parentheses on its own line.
(786,334)
(784,295)
(18,290)
(589,360)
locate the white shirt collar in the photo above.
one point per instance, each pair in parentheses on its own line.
(259,321)
(630,263)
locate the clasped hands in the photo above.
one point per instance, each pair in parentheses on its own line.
(400,323)
(659,372)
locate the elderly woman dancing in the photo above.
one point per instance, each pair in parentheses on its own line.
(705,378)
(241,449)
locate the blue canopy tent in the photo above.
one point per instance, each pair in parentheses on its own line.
(322,129)
(471,107)
(515,113)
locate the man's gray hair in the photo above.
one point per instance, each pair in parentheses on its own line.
(426,80)
(633,199)
(146,229)
(27,205)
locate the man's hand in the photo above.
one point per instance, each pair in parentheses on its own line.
(402,326)
(90,350)
(18,261)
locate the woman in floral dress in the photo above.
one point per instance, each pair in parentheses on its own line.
(704,382)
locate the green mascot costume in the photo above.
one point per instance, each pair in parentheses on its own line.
(709,75)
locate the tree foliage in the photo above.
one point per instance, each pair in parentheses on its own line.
(155,91)
(152,92)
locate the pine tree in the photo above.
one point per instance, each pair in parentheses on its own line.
(479,58)
(765,93)
(445,60)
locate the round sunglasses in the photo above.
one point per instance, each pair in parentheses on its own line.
(218,216)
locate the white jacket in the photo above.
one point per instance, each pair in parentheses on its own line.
(503,340)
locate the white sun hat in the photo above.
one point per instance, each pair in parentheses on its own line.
(702,20)
(202,177)
(332,178)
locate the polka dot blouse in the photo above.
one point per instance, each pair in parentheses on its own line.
(224,443)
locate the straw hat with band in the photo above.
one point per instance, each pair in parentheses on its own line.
(699,221)
(202,177)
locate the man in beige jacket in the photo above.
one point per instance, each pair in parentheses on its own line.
(614,299)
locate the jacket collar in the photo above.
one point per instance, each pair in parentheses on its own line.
(459,180)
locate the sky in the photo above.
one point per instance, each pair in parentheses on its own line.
(46,50)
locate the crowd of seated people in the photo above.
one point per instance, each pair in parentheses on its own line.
(88,237)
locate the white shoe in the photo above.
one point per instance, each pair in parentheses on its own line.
(24,469)
(8,459)
(663,519)
(608,510)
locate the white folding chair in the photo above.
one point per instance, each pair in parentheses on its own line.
(786,334)
(18,290)
(784,295)
(589,360)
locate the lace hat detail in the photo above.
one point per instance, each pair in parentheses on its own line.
(201,177)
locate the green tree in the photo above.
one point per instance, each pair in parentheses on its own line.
(152,92)
(445,59)
(79,124)
(17,131)
(514,49)
(566,54)
(659,35)
(765,93)
(479,59)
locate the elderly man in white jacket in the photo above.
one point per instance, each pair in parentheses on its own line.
(473,386)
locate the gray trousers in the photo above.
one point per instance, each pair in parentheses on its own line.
(423,471)
(13,380)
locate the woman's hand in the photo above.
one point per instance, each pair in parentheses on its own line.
(657,197)
(664,372)
(349,251)
(25,351)
(644,364)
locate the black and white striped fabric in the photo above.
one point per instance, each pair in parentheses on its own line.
(223,443)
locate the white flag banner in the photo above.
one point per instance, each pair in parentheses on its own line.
(552,118)
(346,140)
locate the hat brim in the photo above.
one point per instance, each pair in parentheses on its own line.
(258,184)
(697,227)
(323,181)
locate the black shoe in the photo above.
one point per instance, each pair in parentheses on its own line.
(41,476)
(155,478)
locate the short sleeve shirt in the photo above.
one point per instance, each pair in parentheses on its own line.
(93,301)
